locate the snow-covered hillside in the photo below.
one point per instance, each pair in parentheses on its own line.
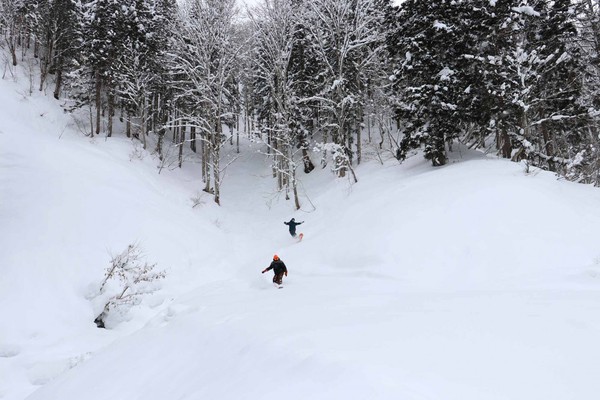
(471,281)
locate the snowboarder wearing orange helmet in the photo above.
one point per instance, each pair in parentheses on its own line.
(278,268)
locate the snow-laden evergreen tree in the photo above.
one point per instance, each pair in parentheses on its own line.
(429,44)
(510,69)
(81,83)
(304,67)
(67,40)
(105,28)
(105,32)
(589,43)
(120,57)
(534,74)
(56,27)
(562,123)
(142,68)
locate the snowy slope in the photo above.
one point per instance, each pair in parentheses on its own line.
(472,281)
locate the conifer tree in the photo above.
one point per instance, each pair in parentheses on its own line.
(428,47)
(142,66)
(535,76)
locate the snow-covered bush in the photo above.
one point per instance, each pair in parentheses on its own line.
(127,279)
(339,155)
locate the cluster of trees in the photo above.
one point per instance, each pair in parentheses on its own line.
(519,77)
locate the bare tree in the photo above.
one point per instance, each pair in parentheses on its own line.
(12,18)
(204,67)
(347,39)
(130,278)
(275,35)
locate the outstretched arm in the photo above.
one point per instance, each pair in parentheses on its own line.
(267,269)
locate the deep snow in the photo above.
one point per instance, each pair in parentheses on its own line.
(471,281)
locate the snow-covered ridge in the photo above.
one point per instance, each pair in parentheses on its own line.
(471,281)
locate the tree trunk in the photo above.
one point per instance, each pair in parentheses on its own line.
(206,144)
(12,46)
(90,108)
(358,142)
(155,111)
(111,111)
(98,101)
(203,153)
(181,142)
(57,87)
(128,125)
(215,162)
(11,39)
(295,189)
(193,138)
(308,164)
(292,177)
(237,138)
(505,144)
(175,129)
(163,117)
(548,146)
(143,124)
(161,132)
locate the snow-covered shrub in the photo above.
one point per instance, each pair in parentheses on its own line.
(128,278)
(340,157)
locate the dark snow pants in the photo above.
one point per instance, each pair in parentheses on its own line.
(278,278)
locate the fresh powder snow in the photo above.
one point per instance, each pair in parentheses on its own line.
(471,281)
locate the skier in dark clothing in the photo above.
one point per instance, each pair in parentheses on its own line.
(278,268)
(292,224)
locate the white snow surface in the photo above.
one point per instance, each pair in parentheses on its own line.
(470,281)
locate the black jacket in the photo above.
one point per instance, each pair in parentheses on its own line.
(292,225)
(277,266)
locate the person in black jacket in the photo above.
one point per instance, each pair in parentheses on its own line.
(278,268)
(292,224)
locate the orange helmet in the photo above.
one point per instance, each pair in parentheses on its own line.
(275,257)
